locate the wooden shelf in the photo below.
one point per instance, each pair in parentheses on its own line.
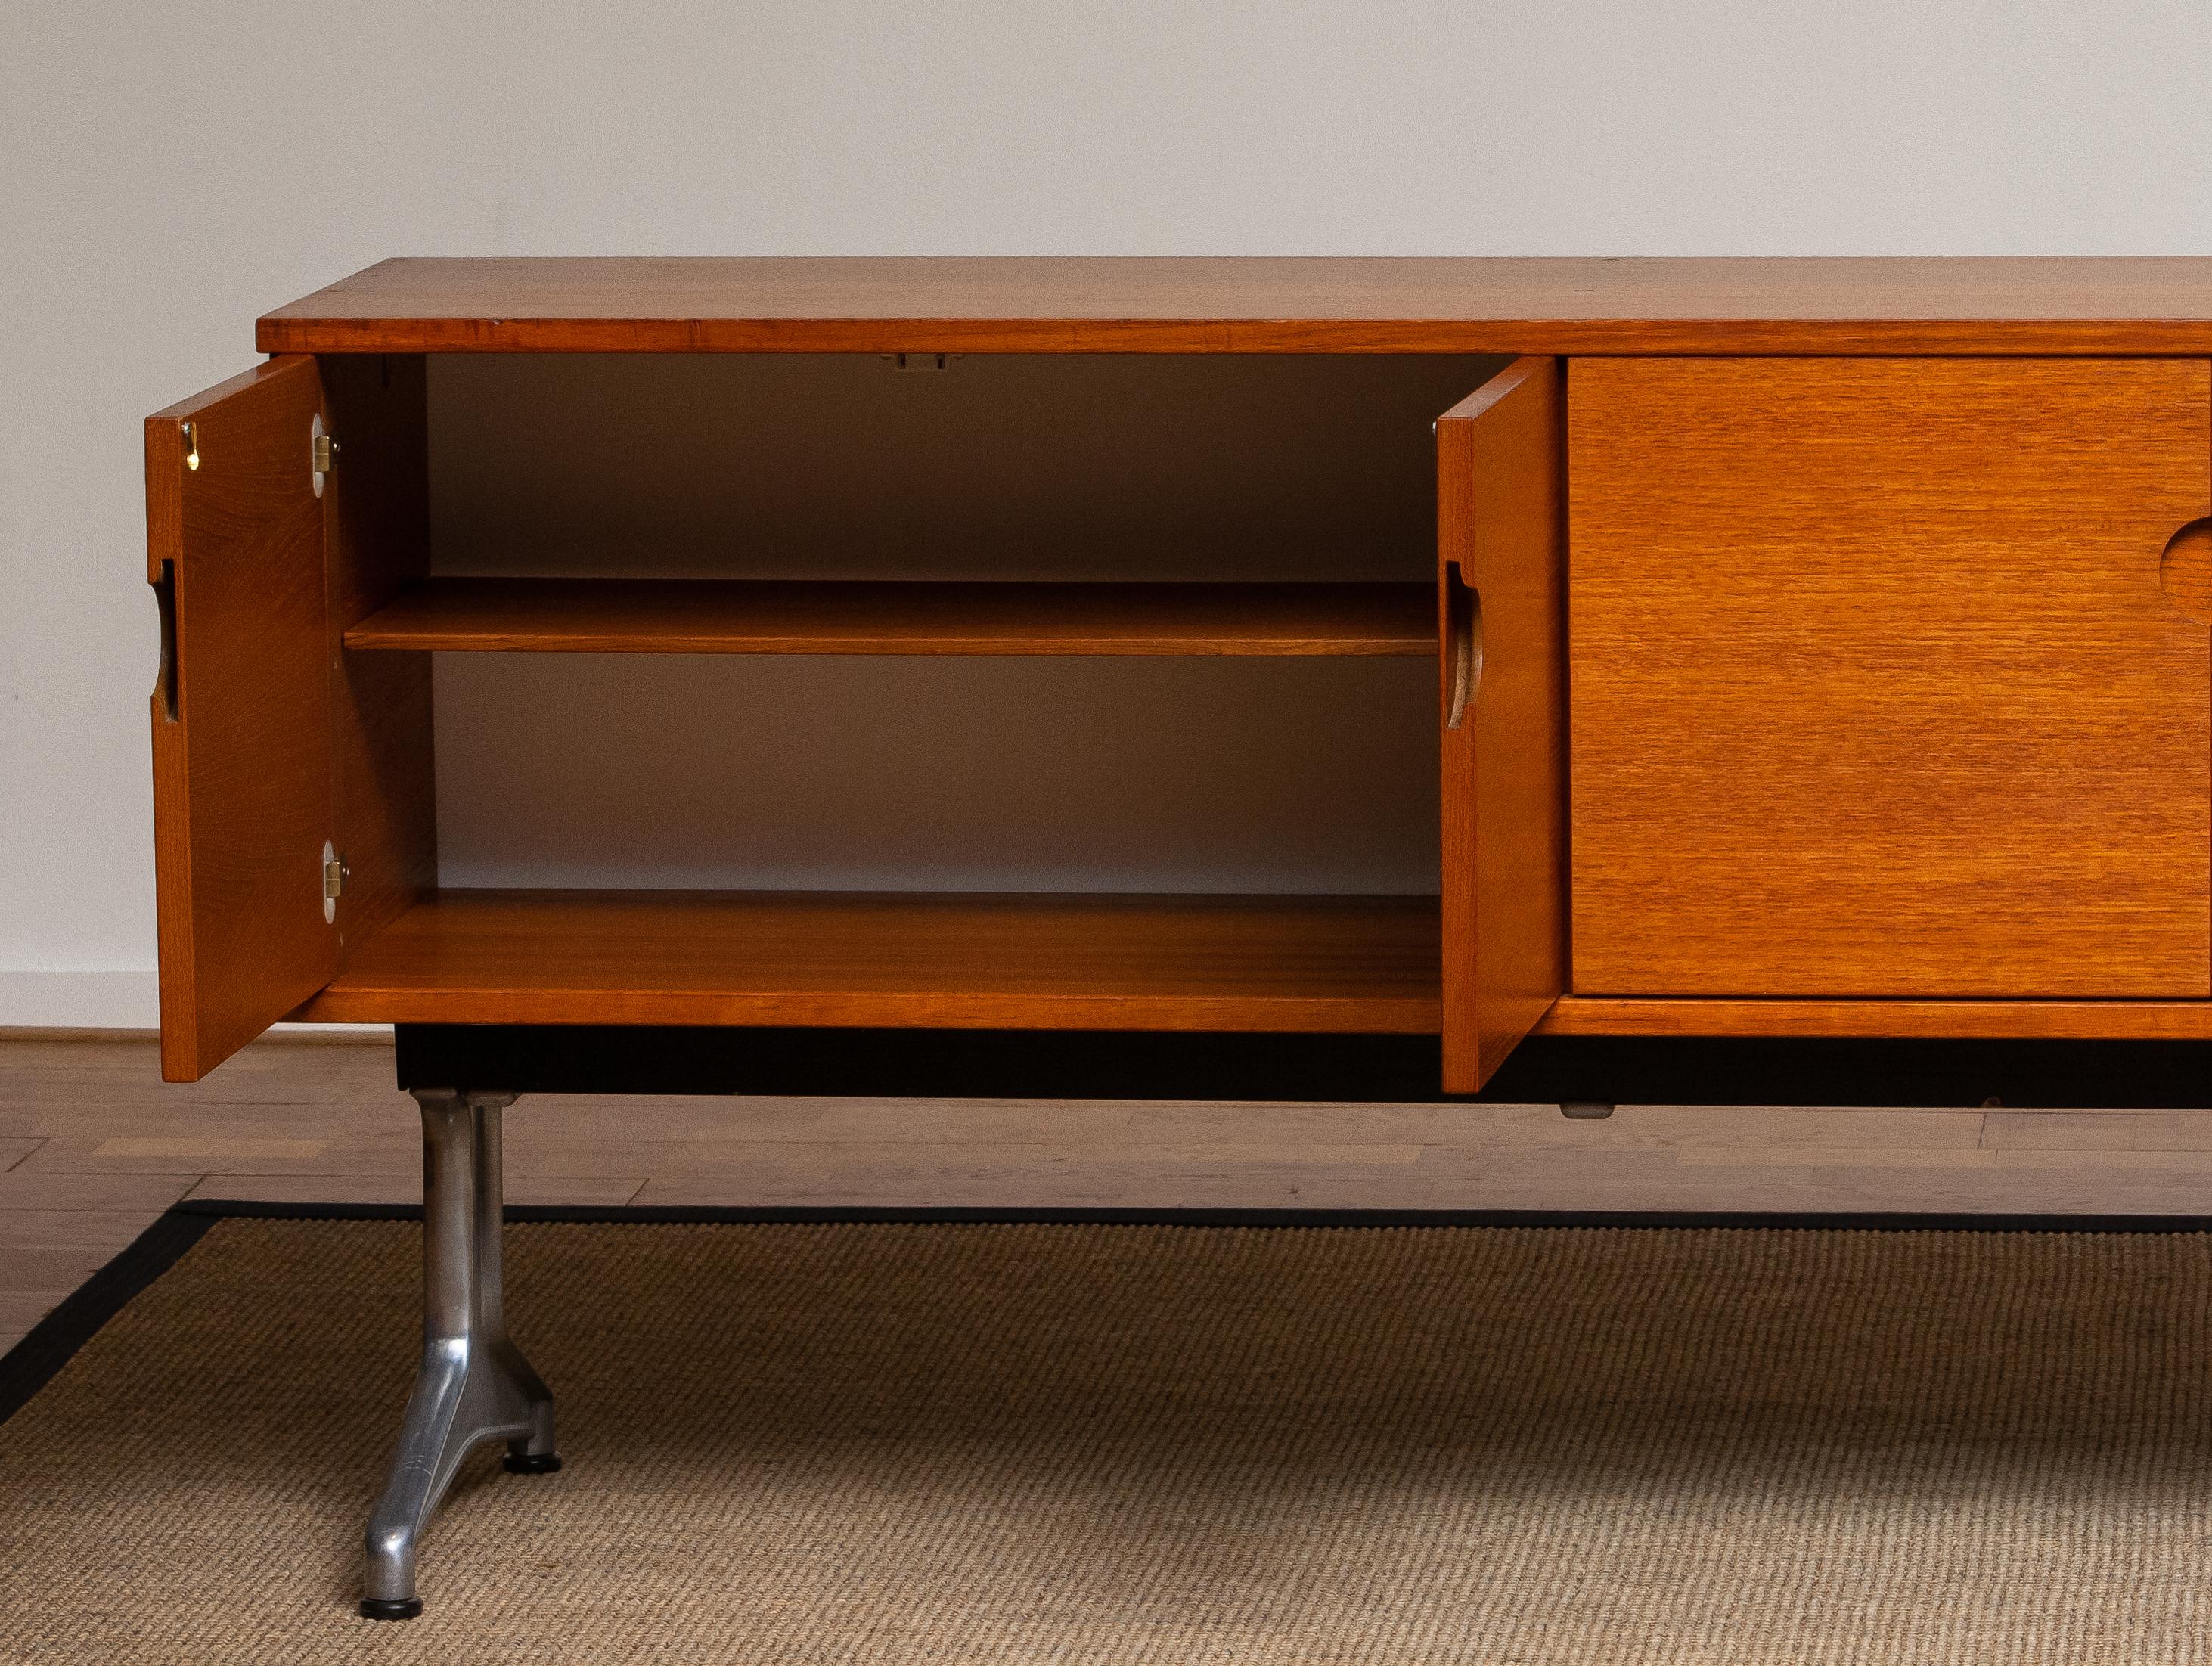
(742,616)
(899,960)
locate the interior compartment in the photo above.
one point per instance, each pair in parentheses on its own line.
(1090,691)
(1244,467)
(1195,486)
(893,774)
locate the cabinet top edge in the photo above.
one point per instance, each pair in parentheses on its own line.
(1172,304)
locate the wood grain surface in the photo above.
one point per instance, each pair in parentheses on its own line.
(1093,304)
(1876,691)
(1501,543)
(2122,1020)
(676,616)
(241,770)
(958,961)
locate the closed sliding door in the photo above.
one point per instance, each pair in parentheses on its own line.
(1883,685)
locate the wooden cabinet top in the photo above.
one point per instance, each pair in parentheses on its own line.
(2015,304)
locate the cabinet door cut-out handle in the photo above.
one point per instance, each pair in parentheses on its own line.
(165,677)
(2184,571)
(1463,641)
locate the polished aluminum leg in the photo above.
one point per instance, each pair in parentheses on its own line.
(474,1385)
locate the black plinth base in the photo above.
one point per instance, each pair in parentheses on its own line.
(1065,1064)
(405,1609)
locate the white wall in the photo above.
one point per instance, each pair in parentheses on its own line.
(167,171)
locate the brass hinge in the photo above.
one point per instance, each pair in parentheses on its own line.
(322,450)
(334,877)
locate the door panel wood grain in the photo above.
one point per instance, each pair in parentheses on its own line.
(1500,572)
(242,720)
(1876,690)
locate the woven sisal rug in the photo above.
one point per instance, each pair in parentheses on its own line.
(1113,1443)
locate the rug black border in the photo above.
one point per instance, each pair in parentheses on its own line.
(54,1340)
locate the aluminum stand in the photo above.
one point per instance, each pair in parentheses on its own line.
(474,1385)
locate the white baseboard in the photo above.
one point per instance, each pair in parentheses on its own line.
(79,1000)
(114,1001)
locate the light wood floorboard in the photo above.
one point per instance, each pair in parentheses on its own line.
(94,1145)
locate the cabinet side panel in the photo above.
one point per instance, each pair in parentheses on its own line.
(376,510)
(1876,691)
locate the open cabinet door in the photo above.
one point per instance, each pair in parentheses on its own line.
(1501,587)
(241,711)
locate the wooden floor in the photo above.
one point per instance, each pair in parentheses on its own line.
(93,1147)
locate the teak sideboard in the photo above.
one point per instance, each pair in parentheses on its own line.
(1823,649)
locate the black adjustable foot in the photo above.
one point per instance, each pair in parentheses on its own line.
(405,1609)
(532,1463)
